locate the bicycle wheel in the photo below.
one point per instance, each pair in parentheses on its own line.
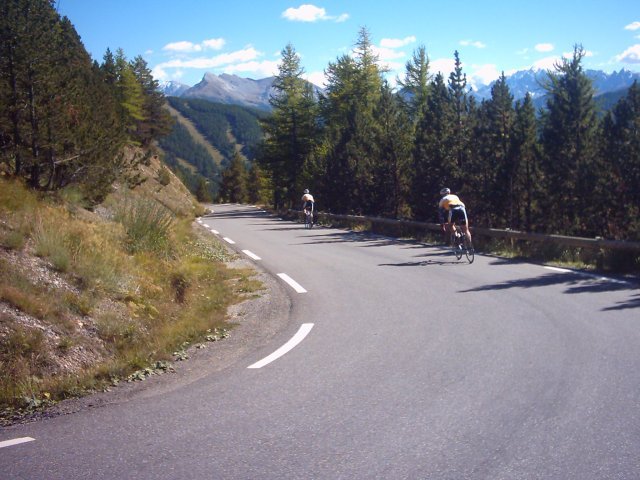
(469,250)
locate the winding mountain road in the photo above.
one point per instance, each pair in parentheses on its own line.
(397,362)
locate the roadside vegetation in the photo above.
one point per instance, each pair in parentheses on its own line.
(92,298)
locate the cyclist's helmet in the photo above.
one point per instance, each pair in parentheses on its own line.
(306,190)
(445,191)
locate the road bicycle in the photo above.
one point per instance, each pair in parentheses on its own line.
(308,218)
(461,244)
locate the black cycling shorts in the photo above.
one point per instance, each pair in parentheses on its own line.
(458,215)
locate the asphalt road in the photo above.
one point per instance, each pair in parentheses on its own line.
(413,366)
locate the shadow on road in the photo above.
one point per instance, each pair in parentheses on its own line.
(576,282)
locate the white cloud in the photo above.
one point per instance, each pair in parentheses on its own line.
(544,47)
(266,68)
(547,63)
(387,53)
(443,65)
(470,43)
(182,47)
(240,56)
(587,54)
(397,42)
(159,73)
(630,55)
(214,43)
(484,74)
(317,78)
(633,26)
(311,13)
(189,47)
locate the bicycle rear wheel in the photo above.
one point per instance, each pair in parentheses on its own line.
(469,250)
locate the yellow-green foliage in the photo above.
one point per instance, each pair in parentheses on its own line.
(136,288)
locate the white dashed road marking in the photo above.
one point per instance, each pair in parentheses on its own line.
(250,254)
(228,240)
(292,283)
(16,441)
(303,331)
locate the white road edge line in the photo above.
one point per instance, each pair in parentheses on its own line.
(556,269)
(589,275)
(250,254)
(292,283)
(228,240)
(214,231)
(302,332)
(16,441)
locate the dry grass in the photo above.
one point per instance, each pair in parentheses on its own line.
(93,298)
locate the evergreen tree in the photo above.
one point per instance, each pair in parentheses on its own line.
(393,141)
(130,94)
(290,133)
(492,170)
(415,86)
(569,139)
(528,180)
(203,193)
(233,187)
(461,128)
(619,188)
(352,94)
(156,120)
(258,186)
(434,161)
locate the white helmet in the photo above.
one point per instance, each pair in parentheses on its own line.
(445,191)
(306,190)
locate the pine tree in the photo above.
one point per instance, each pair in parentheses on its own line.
(352,93)
(393,142)
(461,128)
(620,185)
(203,193)
(290,133)
(233,187)
(156,119)
(491,171)
(258,186)
(130,93)
(415,86)
(434,163)
(569,139)
(528,180)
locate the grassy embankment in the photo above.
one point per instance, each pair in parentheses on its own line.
(91,298)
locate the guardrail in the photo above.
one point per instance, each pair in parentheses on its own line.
(593,243)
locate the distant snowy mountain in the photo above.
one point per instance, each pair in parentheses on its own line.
(231,89)
(532,81)
(172,88)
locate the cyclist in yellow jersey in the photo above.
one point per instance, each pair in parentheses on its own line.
(307,202)
(452,210)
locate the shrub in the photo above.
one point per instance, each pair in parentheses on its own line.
(147,225)
(164,177)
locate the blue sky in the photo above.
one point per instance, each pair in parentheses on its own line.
(181,40)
